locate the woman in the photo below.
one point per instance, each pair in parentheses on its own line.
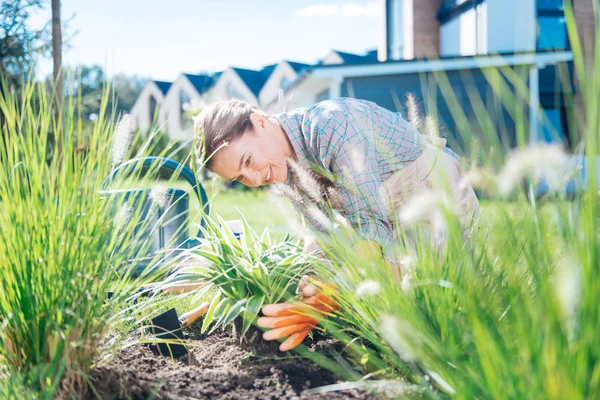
(363,159)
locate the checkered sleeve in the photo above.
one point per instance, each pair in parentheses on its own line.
(347,144)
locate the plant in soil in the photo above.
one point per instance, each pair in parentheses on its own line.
(64,244)
(247,273)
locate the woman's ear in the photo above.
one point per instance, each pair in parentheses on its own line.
(258,120)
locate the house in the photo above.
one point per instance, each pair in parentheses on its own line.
(144,111)
(240,83)
(341,57)
(185,93)
(281,77)
(458,43)
(316,89)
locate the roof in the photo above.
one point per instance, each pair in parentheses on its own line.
(370,56)
(253,79)
(297,67)
(266,71)
(374,61)
(163,86)
(200,82)
(349,58)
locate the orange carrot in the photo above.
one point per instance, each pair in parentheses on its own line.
(191,316)
(286,331)
(279,322)
(287,309)
(319,299)
(294,340)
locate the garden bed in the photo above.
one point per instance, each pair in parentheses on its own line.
(216,368)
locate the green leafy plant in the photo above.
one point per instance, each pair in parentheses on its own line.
(247,273)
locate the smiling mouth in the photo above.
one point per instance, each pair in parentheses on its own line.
(269,175)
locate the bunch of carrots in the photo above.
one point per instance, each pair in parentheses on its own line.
(294,321)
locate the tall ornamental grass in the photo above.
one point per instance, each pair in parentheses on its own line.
(63,244)
(511,310)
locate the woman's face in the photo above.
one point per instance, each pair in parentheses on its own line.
(258,157)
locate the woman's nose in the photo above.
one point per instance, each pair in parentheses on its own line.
(254,178)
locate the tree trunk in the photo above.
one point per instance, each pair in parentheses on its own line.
(57,50)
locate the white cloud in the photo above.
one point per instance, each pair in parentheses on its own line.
(349,10)
(356,10)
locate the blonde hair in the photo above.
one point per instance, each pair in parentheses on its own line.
(221,122)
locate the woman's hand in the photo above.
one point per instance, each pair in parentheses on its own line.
(294,321)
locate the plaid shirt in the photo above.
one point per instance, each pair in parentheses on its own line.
(354,136)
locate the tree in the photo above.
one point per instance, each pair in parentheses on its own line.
(18,44)
(57,50)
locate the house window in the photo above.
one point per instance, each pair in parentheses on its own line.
(552,126)
(285,83)
(152,110)
(464,29)
(550,5)
(552,29)
(552,33)
(396,38)
(232,92)
(184,105)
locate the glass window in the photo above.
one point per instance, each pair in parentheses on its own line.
(184,104)
(553,5)
(232,92)
(552,131)
(552,33)
(153,105)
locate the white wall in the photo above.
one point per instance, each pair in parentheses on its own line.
(305,94)
(468,33)
(221,89)
(140,112)
(397,30)
(511,25)
(170,111)
(450,38)
(270,91)
(332,58)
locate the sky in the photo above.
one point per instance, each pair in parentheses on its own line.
(160,39)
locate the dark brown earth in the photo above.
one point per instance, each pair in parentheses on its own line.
(216,368)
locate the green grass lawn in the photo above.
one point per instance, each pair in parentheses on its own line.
(262,209)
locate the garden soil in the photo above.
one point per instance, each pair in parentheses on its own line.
(217,367)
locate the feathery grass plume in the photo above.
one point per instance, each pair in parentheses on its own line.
(357,158)
(477,178)
(390,329)
(406,284)
(321,220)
(306,181)
(423,205)
(122,139)
(432,128)
(123,215)
(159,195)
(549,161)
(567,284)
(367,288)
(414,111)
(291,193)
(334,198)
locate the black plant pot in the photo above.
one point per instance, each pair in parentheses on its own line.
(167,326)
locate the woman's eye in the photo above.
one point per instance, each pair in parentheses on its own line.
(248,161)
